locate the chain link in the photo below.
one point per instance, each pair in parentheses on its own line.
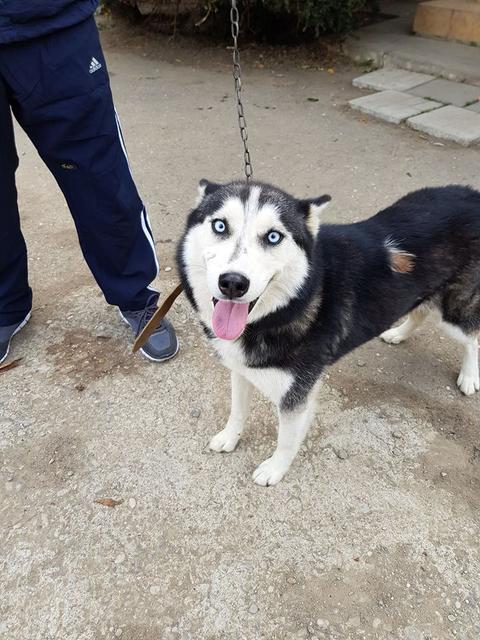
(237,77)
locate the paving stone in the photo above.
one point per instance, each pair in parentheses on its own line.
(449,123)
(391,79)
(475,106)
(448,92)
(393,106)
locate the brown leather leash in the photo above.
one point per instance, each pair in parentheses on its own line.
(157,317)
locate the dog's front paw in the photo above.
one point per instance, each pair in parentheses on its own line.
(468,383)
(393,336)
(271,471)
(225,440)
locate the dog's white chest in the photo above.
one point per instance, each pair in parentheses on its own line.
(271,381)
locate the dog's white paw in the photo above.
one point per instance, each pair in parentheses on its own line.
(270,471)
(468,383)
(393,336)
(225,440)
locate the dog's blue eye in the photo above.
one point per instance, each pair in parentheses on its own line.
(219,226)
(274,237)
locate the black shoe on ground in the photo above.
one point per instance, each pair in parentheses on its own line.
(6,335)
(162,344)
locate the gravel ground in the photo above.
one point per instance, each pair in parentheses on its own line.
(374,531)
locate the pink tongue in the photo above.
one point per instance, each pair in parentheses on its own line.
(229,319)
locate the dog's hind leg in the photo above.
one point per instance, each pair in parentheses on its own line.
(227,439)
(469,377)
(415,318)
(292,429)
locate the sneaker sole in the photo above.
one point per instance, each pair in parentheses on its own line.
(144,354)
(20,326)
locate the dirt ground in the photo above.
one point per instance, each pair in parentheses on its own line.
(374,532)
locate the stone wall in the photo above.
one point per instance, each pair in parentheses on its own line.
(449,19)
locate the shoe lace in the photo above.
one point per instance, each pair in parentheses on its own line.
(145,315)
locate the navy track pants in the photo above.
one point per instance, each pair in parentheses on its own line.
(58,89)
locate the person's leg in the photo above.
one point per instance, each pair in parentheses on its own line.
(70,117)
(15,294)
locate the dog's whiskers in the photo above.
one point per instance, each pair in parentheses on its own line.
(198,266)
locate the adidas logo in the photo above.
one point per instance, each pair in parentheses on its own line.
(94,65)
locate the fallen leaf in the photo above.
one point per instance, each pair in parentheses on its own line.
(330,70)
(108,502)
(10,365)
(313,99)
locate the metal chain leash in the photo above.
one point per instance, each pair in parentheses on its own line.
(237,77)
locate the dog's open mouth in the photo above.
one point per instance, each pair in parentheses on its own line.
(230,318)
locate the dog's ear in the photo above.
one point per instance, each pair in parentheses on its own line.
(205,188)
(311,209)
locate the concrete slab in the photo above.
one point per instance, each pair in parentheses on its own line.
(391,44)
(448,92)
(449,123)
(391,79)
(474,107)
(393,106)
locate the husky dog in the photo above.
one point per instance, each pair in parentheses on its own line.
(282,296)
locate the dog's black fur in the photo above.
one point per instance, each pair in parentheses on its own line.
(352,294)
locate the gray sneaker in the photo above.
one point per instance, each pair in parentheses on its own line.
(162,344)
(7,333)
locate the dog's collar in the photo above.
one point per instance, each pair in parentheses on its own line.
(157,317)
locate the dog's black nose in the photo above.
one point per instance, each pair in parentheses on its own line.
(233,285)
